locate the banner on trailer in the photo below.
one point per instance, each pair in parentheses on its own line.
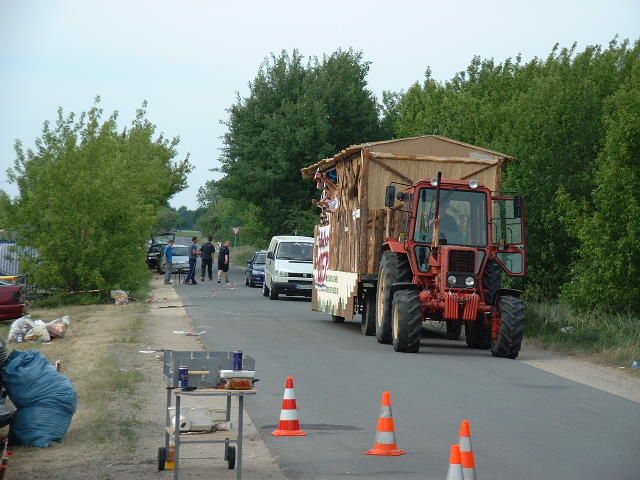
(321,266)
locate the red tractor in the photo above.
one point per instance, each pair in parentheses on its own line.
(460,238)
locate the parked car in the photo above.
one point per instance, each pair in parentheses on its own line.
(180,259)
(11,305)
(254,274)
(154,253)
(289,267)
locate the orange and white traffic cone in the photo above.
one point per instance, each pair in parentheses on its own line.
(466,451)
(385,444)
(289,425)
(455,465)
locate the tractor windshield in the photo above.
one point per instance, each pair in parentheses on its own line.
(463,217)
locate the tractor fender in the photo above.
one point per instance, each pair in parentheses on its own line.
(394,246)
(403,286)
(511,292)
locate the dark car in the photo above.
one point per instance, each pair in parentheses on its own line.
(153,254)
(11,305)
(254,274)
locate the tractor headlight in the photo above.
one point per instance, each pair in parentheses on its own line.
(451,280)
(434,182)
(473,184)
(469,281)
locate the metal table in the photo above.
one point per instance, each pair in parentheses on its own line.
(226,437)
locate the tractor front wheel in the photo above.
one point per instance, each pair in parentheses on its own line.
(477,335)
(394,268)
(407,321)
(509,338)
(454,329)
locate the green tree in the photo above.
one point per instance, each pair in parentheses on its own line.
(609,233)
(293,116)
(88,199)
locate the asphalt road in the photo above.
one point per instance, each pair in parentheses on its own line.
(527,424)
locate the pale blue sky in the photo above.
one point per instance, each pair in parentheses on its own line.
(188,58)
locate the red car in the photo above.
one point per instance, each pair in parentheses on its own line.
(11,305)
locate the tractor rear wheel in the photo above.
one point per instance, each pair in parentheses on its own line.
(394,268)
(368,322)
(454,329)
(407,321)
(492,280)
(477,335)
(507,345)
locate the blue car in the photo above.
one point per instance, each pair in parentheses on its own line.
(254,274)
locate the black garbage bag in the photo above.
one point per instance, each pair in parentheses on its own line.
(45,399)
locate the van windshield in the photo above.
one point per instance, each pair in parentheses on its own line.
(300,251)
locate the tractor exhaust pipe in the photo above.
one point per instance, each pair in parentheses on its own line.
(436,220)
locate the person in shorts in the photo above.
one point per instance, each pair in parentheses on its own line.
(223,262)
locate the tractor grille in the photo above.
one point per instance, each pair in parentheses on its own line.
(462,261)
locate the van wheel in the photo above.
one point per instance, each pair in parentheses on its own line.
(273,293)
(265,290)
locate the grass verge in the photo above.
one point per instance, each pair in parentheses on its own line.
(242,254)
(609,338)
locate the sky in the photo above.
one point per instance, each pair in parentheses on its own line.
(189,59)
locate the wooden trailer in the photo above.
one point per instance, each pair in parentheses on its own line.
(354,221)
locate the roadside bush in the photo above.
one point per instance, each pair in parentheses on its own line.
(88,199)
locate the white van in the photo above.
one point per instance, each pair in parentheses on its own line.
(289,267)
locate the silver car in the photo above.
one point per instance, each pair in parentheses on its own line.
(180,259)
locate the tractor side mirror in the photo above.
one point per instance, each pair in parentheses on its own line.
(270,255)
(390,196)
(517,207)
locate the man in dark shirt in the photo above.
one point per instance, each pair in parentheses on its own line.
(193,259)
(223,262)
(206,254)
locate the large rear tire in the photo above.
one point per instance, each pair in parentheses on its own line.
(368,322)
(407,321)
(394,268)
(509,340)
(491,280)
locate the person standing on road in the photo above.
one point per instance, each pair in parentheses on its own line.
(223,261)
(193,259)
(168,255)
(206,257)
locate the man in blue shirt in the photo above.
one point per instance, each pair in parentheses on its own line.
(168,255)
(193,259)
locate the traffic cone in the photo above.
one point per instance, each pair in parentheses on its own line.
(466,451)
(289,425)
(455,466)
(385,444)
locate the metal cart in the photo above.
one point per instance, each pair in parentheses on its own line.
(206,367)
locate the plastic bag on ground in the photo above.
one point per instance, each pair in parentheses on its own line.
(45,399)
(120,296)
(20,328)
(58,328)
(39,332)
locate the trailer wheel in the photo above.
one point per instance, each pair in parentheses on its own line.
(231,458)
(368,322)
(407,321)
(477,335)
(162,458)
(394,268)
(454,329)
(509,340)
